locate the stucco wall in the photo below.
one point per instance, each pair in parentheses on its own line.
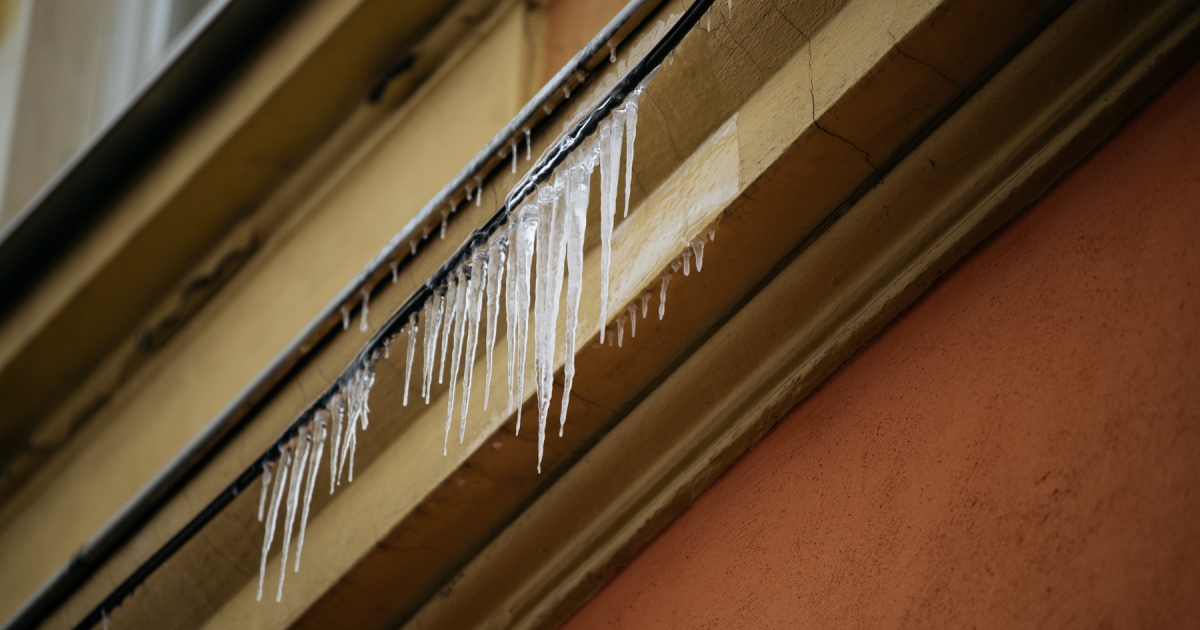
(1021,448)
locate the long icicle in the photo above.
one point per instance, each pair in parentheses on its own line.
(458,319)
(408,357)
(448,311)
(631,114)
(510,300)
(303,446)
(320,427)
(527,229)
(549,295)
(473,311)
(281,471)
(495,282)
(268,470)
(576,226)
(433,324)
(337,411)
(610,167)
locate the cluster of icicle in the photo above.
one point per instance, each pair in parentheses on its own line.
(526,265)
(293,474)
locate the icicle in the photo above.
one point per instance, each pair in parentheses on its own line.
(610,165)
(495,281)
(687,261)
(425,232)
(412,351)
(469,189)
(104,619)
(676,265)
(395,270)
(620,331)
(366,307)
(412,248)
(671,57)
(320,426)
(268,469)
(731,7)
(458,318)
(708,17)
(445,218)
(349,434)
(698,250)
(566,92)
(345,318)
(285,456)
(510,304)
(612,53)
(478,190)
(662,296)
(433,322)
(448,310)
(528,145)
(551,247)
(514,157)
(387,347)
(303,444)
(526,233)
(576,225)
(645,303)
(337,411)
(632,310)
(476,287)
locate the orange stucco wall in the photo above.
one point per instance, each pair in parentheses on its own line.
(1021,448)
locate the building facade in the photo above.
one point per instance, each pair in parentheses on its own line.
(885,316)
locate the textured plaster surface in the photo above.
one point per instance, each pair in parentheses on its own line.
(1021,448)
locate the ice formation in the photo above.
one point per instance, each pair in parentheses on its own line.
(525,267)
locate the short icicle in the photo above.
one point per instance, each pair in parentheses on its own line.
(366,307)
(698,251)
(687,261)
(662,296)
(345,318)
(645,303)
(320,427)
(632,310)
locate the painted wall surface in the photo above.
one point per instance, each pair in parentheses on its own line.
(1020,448)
